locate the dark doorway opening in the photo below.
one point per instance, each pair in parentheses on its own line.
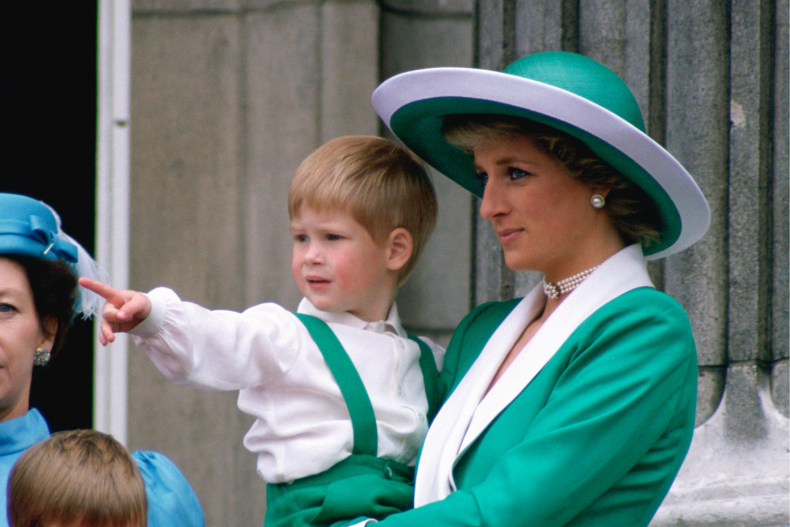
(49,118)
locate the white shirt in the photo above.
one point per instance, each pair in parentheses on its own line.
(302,426)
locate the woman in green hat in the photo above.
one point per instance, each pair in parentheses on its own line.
(574,405)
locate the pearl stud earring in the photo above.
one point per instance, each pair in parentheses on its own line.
(597,201)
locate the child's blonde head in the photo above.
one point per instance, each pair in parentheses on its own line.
(81,477)
(379,183)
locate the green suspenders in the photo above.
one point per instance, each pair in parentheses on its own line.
(360,486)
(363,420)
(430,375)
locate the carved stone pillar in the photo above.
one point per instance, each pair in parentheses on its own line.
(737,470)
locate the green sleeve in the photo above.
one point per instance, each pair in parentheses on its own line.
(621,387)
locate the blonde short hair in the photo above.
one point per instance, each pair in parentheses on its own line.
(630,209)
(381,184)
(80,476)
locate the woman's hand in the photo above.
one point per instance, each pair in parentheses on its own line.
(123,311)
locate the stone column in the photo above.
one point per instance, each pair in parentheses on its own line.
(737,470)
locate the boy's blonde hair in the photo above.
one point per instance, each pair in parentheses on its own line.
(83,477)
(381,184)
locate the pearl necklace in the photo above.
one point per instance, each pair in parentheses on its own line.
(566,285)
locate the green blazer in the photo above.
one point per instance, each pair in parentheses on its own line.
(588,426)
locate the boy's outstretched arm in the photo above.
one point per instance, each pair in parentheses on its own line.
(122,312)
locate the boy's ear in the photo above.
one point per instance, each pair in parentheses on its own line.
(399,248)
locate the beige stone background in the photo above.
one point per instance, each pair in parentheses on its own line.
(229,95)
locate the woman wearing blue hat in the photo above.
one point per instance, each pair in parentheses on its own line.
(574,405)
(39,299)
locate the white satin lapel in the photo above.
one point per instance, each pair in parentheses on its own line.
(443,442)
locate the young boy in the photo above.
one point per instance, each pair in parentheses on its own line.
(341,394)
(76,479)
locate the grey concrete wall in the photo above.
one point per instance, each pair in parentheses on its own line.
(227,98)
(698,277)
(711,80)
(778,196)
(187,187)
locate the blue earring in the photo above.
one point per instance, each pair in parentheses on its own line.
(41,358)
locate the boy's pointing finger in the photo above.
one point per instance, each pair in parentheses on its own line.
(110,294)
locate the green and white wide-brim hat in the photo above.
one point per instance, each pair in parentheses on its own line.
(567,91)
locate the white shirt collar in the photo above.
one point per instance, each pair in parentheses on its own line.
(391,324)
